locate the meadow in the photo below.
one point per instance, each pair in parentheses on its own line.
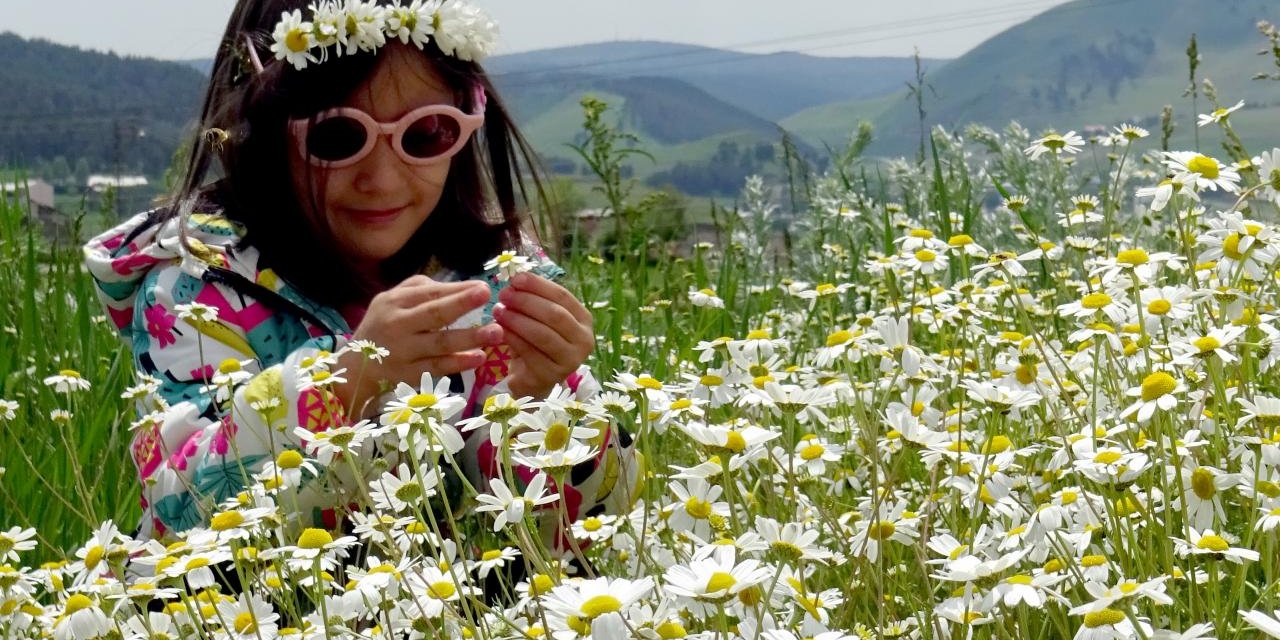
(1025,388)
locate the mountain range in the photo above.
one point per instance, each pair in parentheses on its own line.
(709,117)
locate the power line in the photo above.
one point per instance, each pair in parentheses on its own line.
(1019,8)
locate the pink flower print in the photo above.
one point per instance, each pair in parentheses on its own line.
(160,325)
(222,438)
(184,453)
(203,375)
(132,263)
(146,451)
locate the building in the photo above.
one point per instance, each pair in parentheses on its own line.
(37,191)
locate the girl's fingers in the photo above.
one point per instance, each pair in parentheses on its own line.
(440,312)
(451,363)
(537,360)
(429,344)
(419,289)
(538,336)
(545,288)
(547,312)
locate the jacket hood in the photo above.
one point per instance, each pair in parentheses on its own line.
(120,259)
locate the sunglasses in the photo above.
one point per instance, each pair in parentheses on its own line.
(343,136)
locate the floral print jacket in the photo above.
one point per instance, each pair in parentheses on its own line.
(200,450)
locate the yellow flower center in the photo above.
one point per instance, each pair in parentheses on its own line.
(226,521)
(1231,247)
(758,334)
(735,442)
(557,437)
(1095,300)
(442,590)
(230,365)
(1202,483)
(996,444)
(648,382)
(1207,344)
(812,452)
(77,602)
(1213,543)
(921,233)
(881,530)
(1159,307)
(296,40)
(697,508)
(1107,457)
(289,459)
(671,631)
(1026,374)
(94,556)
(1204,165)
(1156,385)
(710,380)
(960,240)
(422,401)
(925,255)
(592,524)
(600,605)
(1103,618)
(314,539)
(1133,257)
(540,584)
(839,337)
(492,554)
(245,623)
(720,581)
(1019,579)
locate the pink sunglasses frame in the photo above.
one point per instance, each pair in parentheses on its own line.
(468,123)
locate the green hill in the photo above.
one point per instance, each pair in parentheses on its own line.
(771,86)
(63,102)
(1088,63)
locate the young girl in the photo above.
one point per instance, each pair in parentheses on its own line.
(353,173)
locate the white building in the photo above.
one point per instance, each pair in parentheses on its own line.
(101,183)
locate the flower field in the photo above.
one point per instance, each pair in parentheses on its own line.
(1026,388)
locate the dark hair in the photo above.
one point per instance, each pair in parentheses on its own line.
(243,126)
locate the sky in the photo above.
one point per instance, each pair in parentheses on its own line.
(185,29)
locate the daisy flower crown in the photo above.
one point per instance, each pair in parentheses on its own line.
(347,27)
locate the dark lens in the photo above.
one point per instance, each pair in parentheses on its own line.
(334,139)
(430,136)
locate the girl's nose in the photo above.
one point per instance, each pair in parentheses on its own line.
(381,169)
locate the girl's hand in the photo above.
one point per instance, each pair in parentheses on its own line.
(409,320)
(549,332)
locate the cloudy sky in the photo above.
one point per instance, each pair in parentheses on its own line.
(178,29)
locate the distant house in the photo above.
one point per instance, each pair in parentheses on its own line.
(100,183)
(39,191)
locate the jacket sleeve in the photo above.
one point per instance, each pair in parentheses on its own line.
(203,449)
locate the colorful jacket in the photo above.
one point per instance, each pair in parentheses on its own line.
(196,454)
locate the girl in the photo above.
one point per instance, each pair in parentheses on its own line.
(366,172)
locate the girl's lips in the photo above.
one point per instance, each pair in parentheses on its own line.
(375,215)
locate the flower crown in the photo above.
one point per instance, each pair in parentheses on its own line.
(460,29)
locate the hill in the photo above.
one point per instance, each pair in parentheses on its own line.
(1088,63)
(64,102)
(771,86)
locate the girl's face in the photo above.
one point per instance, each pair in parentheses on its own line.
(374,207)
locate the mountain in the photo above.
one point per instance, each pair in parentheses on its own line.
(1088,63)
(61,101)
(771,86)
